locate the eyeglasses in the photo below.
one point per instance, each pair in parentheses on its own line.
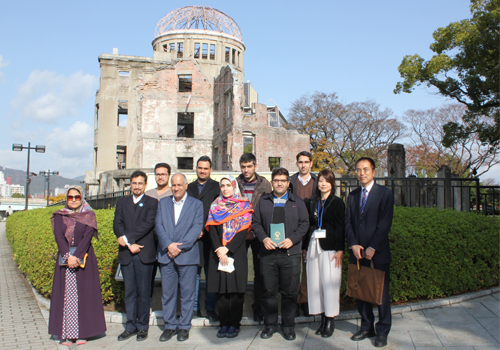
(161,175)
(364,170)
(75,198)
(280,181)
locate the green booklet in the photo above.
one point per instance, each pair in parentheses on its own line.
(277,233)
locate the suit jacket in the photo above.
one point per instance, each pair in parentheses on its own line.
(210,192)
(136,222)
(370,229)
(186,231)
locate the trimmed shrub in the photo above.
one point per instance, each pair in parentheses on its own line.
(35,250)
(435,253)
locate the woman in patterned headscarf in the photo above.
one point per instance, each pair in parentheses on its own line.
(228,222)
(76,311)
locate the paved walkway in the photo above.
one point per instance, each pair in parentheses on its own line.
(467,325)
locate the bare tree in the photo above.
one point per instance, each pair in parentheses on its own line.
(341,133)
(466,156)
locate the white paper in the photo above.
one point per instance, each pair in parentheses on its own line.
(229,267)
(319,234)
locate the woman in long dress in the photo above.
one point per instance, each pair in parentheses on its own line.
(228,222)
(325,244)
(76,311)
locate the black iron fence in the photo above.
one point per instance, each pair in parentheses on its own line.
(456,193)
(106,200)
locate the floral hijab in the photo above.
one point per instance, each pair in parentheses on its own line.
(83,214)
(234,213)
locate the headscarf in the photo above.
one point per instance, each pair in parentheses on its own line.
(234,213)
(84,214)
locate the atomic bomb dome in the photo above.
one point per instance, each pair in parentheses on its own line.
(198,18)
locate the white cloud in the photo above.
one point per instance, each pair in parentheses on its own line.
(46,96)
(3,63)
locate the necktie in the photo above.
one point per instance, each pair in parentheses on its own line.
(363,199)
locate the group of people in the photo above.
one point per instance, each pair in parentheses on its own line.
(294,225)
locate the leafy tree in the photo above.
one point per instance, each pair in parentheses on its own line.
(429,153)
(58,198)
(465,68)
(341,133)
(17,195)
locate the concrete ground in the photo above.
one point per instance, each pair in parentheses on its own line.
(456,324)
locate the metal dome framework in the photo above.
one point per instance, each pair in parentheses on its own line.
(198,17)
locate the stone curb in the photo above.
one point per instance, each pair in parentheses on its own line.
(156,318)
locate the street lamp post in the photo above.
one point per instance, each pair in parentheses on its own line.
(19,147)
(47,175)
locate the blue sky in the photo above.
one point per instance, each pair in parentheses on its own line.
(49,70)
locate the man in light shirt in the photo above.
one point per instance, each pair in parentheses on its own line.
(179,222)
(162,177)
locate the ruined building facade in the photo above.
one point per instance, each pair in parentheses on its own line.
(186,101)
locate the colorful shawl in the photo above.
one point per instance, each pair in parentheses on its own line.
(234,213)
(84,215)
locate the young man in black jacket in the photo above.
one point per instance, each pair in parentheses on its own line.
(280,262)
(253,186)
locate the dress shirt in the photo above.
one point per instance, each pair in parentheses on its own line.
(368,189)
(178,207)
(306,181)
(200,187)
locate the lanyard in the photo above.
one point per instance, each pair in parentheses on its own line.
(320,212)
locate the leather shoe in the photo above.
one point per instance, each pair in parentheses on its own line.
(321,328)
(329,328)
(380,341)
(362,335)
(182,334)
(288,334)
(267,333)
(212,316)
(257,316)
(142,335)
(167,334)
(125,335)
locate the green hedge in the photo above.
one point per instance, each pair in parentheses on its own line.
(435,253)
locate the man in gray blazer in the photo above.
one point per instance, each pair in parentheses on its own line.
(179,221)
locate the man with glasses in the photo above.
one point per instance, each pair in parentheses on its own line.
(282,215)
(134,227)
(162,177)
(303,184)
(367,225)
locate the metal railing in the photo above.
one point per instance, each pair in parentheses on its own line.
(106,200)
(454,193)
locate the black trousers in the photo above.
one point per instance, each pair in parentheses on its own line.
(280,272)
(365,309)
(255,244)
(230,306)
(137,278)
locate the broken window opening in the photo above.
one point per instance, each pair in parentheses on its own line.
(185,124)
(274,163)
(95,155)
(248,142)
(184,163)
(96,123)
(239,59)
(212,51)
(196,50)
(204,51)
(228,101)
(180,50)
(122,113)
(234,56)
(121,157)
(273,117)
(185,83)
(224,156)
(124,73)
(172,46)
(227,54)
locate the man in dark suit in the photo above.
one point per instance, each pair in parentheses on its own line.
(133,226)
(368,222)
(179,222)
(206,190)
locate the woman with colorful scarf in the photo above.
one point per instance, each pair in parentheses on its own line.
(228,222)
(76,311)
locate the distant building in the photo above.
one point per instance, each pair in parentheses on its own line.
(7,189)
(186,101)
